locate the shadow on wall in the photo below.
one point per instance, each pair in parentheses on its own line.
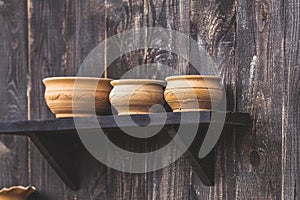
(39,196)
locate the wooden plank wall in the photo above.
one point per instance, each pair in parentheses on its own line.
(173,182)
(213,27)
(256,46)
(261,79)
(62,33)
(13,89)
(291,102)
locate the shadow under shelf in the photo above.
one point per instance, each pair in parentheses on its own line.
(58,141)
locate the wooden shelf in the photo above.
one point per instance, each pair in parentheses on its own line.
(58,141)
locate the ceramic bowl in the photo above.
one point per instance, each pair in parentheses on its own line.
(193,92)
(74,96)
(16,193)
(136,96)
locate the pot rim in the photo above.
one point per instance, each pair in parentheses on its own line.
(137,81)
(180,77)
(74,78)
(21,190)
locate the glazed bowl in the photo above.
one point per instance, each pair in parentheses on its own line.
(193,92)
(136,96)
(75,96)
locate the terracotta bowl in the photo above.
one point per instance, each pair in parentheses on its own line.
(136,96)
(193,92)
(72,96)
(16,193)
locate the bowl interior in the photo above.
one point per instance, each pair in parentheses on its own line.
(205,77)
(137,82)
(80,83)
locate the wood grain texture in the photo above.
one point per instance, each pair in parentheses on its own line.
(255,45)
(62,34)
(213,27)
(129,15)
(123,15)
(291,102)
(13,83)
(260,90)
(173,182)
(46,47)
(84,30)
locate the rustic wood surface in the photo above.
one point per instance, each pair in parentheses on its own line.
(260,83)
(213,27)
(46,50)
(172,182)
(13,88)
(291,101)
(62,33)
(254,43)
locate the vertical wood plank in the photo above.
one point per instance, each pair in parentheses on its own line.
(13,85)
(291,102)
(213,27)
(260,88)
(47,50)
(84,30)
(62,34)
(173,182)
(46,47)
(125,15)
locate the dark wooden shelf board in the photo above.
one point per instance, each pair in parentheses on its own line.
(58,141)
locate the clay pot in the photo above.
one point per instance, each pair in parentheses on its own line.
(73,96)
(136,96)
(16,193)
(193,92)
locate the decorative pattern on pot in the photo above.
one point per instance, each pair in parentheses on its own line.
(136,96)
(16,193)
(193,92)
(64,100)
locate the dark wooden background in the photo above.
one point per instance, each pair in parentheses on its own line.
(256,44)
